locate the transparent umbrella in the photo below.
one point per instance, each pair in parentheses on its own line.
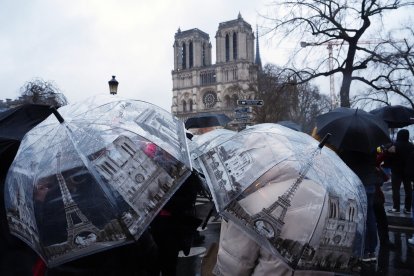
(295,198)
(94,176)
(201,144)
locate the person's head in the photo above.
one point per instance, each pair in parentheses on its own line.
(315,134)
(403,135)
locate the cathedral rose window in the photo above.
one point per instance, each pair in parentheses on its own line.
(210,99)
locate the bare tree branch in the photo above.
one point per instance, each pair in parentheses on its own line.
(43,92)
(337,22)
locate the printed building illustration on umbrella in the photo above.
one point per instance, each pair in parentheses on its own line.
(135,176)
(336,235)
(74,196)
(228,167)
(156,124)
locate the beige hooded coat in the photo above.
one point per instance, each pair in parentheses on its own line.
(240,255)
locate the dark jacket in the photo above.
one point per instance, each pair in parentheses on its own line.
(403,148)
(364,166)
(177,220)
(409,166)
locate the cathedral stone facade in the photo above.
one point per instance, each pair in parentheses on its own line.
(199,86)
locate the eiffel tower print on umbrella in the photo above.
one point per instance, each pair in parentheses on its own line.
(77,222)
(93,175)
(292,197)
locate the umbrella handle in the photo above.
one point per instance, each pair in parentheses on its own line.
(324,140)
(57,114)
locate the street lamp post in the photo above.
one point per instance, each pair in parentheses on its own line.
(113,86)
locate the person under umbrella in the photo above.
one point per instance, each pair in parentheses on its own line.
(379,202)
(175,226)
(17,258)
(398,156)
(353,129)
(279,192)
(203,123)
(355,136)
(410,170)
(81,182)
(364,166)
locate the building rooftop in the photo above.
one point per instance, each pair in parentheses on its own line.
(235,22)
(191,32)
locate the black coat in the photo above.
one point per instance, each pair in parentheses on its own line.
(181,225)
(16,258)
(363,165)
(403,148)
(409,166)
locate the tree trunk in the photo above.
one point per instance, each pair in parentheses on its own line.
(347,74)
(345,87)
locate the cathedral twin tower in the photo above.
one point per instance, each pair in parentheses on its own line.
(199,85)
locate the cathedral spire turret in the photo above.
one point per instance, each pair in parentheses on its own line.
(258,61)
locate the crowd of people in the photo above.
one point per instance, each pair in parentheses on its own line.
(392,161)
(399,161)
(155,253)
(175,227)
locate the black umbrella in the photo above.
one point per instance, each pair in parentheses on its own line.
(17,258)
(396,116)
(353,129)
(15,122)
(207,120)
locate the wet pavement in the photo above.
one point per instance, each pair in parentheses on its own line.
(395,260)
(400,259)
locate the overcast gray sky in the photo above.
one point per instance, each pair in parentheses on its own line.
(79,44)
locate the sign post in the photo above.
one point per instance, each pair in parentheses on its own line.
(250,102)
(243,111)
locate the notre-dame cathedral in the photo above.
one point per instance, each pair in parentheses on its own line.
(199,86)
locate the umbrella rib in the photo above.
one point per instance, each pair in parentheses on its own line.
(88,122)
(98,106)
(41,158)
(319,217)
(86,162)
(117,101)
(41,136)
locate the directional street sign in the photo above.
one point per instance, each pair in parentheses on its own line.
(243,109)
(242,116)
(250,102)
